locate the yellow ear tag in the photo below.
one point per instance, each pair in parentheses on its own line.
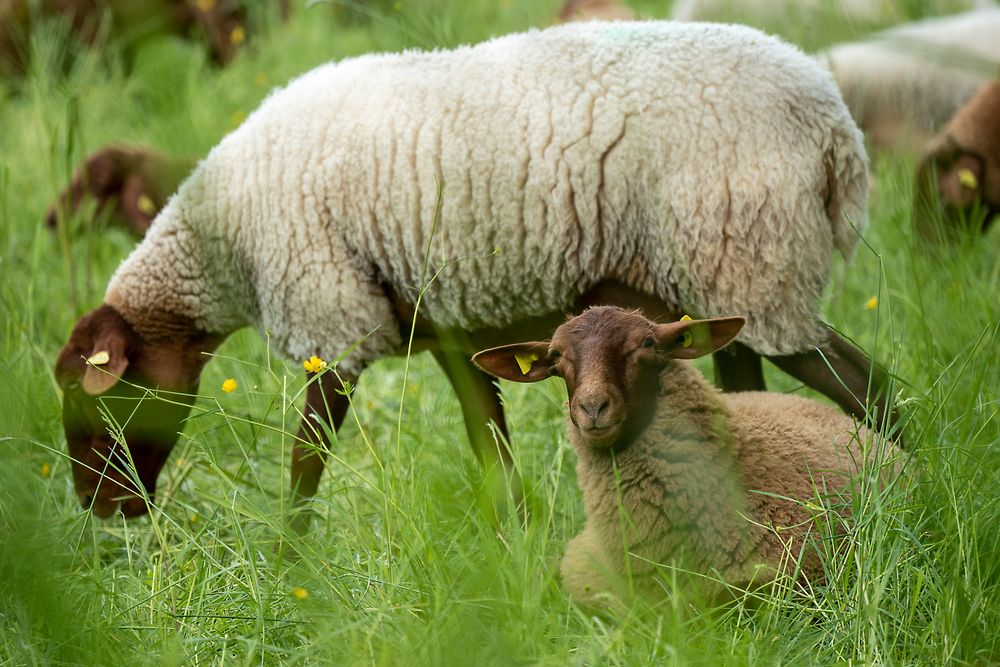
(524,361)
(687,339)
(967,179)
(145,205)
(686,318)
(99,358)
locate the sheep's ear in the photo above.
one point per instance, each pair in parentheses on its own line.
(106,364)
(960,182)
(520,362)
(689,339)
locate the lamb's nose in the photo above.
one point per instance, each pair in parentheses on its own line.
(594,407)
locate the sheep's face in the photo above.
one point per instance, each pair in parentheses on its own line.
(106,372)
(610,359)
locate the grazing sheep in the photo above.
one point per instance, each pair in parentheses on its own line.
(133,182)
(655,165)
(221,23)
(961,167)
(672,471)
(906,83)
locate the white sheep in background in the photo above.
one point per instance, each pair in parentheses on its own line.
(674,472)
(680,167)
(904,84)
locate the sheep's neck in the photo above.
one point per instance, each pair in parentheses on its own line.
(174,285)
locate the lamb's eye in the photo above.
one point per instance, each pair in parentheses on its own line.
(648,343)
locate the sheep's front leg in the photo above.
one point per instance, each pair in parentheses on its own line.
(586,573)
(479,396)
(324,412)
(858,385)
(738,368)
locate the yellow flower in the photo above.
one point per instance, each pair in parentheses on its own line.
(260,79)
(46,469)
(872,303)
(300,593)
(146,205)
(205,5)
(238,35)
(237,118)
(967,179)
(314,364)
(229,386)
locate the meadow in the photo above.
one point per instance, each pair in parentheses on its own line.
(406,562)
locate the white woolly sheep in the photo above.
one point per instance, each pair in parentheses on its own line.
(672,471)
(676,167)
(906,83)
(961,167)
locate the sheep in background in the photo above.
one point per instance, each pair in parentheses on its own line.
(672,471)
(132,182)
(595,10)
(903,84)
(961,167)
(588,156)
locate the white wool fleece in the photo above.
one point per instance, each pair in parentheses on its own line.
(709,164)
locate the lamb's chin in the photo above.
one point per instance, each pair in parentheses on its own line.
(603,438)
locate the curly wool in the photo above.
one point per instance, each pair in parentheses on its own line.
(710,165)
(720,484)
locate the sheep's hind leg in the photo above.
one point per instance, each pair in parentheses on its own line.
(848,385)
(738,368)
(324,413)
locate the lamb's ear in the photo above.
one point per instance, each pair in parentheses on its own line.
(520,362)
(689,339)
(106,363)
(960,181)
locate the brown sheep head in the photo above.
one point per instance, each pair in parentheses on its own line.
(132,183)
(610,359)
(113,380)
(961,169)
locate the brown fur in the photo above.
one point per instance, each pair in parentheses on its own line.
(684,475)
(117,178)
(970,142)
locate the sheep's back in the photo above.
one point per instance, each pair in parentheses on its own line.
(690,161)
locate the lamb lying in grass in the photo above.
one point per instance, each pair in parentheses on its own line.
(673,471)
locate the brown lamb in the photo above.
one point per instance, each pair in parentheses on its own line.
(675,472)
(961,167)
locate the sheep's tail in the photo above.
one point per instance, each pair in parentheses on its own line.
(847,186)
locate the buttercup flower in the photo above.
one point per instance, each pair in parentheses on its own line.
(872,303)
(300,593)
(314,364)
(229,386)
(46,469)
(238,35)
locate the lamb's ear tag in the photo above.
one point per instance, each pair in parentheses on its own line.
(99,358)
(686,318)
(145,204)
(524,361)
(967,179)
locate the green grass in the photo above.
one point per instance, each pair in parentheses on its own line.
(404,565)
